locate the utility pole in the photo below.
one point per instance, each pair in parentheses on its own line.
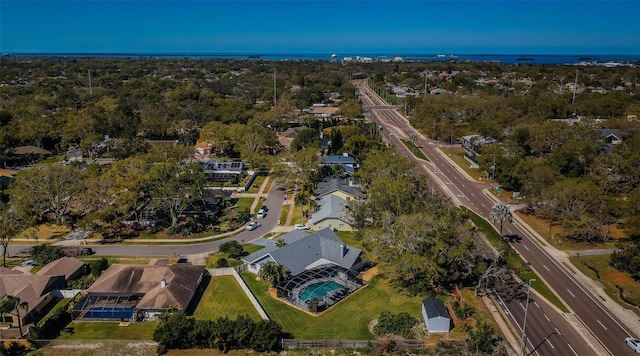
(523,345)
(90,89)
(575,88)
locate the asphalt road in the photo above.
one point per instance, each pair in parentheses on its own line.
(608,330)
(274,202)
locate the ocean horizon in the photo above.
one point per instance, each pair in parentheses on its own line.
(408,57)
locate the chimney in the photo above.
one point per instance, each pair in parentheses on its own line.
(163,283)
(343,249)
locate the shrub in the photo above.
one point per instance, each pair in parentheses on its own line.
(398,324)
(222,262)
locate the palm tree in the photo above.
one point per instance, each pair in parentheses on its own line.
(500,212)
(10,303)
(273,273)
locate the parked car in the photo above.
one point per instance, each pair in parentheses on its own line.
(301,227)
(86,251)
(633,343)
(264,207)
(253,225)
(261,214)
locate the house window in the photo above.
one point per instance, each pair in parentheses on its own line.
(7,319)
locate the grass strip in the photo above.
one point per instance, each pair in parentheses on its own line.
(515,262)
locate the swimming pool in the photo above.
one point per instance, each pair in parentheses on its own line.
(110,313)
(319,290)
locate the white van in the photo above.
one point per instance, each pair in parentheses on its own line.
(261,214)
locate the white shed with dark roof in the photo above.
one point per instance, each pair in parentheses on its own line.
(436,316)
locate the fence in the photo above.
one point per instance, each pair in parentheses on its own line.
(402,344)
(229,271)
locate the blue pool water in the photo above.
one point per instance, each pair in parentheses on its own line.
(110,313)
(319,290)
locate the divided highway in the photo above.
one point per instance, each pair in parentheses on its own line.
(603,325)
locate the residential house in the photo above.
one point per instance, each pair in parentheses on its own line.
(287,137)
(74,155)
(347,188)
(332,213)
(130,292)
(36,291)
(223,171)
(203,149)
(321,111)
(6,176)
(303,251)
(347,162)
(436,316)
(472,144)
(69,267)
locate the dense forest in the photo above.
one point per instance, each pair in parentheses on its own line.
(547,120)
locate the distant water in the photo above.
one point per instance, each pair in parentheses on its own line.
(501,58)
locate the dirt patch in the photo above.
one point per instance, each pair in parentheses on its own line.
(617,278)
(370,273)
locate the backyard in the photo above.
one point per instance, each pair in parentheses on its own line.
(345,320)
(224,297)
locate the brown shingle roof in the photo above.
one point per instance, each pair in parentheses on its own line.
(29,288)
(181,281)
(23,150)
(5,270)
(65,266)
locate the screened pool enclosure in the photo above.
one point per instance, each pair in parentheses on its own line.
(319,288)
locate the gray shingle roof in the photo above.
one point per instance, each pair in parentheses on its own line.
(337,184)
(307,251)
(331,207)
(435,308)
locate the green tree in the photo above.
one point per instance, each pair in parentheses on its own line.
(500,212)
(481,337)
(48,190)
(233,248)
(273,273)
(12,224)
(9,304)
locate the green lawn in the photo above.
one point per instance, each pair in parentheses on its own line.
(213,259)
(284,212)
(224,297)
(457,155)
(244,204)
(598,268)
(348,319)
(415,150)
(109,330)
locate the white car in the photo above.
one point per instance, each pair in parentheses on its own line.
(301,227)
(252,225)
(261,214)
(633,343)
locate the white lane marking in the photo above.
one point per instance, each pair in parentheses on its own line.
(572,350)
(604,327)
(536,304)
(558,331)
(550,344)
(570,293)
(523,308)
(525,246)
(546,317)
(547,268)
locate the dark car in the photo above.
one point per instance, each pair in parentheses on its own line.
(86,251)
(264,207)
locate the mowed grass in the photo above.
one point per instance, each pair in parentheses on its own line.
(348,319)
(417,151)
(244,204)
(597,267)
(456,154)
(109,330)
(224,297)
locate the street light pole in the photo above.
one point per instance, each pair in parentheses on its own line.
(523,345)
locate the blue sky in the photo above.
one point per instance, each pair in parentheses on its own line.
(330,26)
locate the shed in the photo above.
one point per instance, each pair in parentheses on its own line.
(436,316)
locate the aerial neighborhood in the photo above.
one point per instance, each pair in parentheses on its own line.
(374,205)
